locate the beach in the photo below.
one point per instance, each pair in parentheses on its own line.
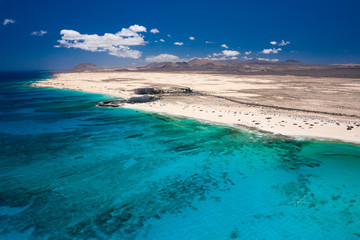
(295,106)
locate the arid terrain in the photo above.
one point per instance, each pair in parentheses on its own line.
(324,107)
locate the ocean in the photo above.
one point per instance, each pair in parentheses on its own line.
(71,170)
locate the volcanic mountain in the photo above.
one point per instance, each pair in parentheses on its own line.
(246,67)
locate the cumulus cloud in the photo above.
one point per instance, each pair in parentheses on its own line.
(169,35)
(224,46)
(8,21)
(230,53)
(191,38)
(154,31)
(271,50)
(248,52)
(163,58)
(137,28)
(162,40)
(39,33)
(208,42)
(113,44)
(284,43)
(179,43)
(226,54)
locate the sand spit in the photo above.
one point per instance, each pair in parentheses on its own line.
(288,105)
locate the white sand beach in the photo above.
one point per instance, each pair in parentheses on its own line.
(294,106)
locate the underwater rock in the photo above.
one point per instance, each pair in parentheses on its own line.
(235,234)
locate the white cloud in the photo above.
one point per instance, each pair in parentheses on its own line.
(163,58)
(113,44)
(162,40)
(248,52)
(8,21)
(230,53)
(39,33)
(191,38)
(137,28)
(224,46)
(154,30)
(208,42)
(179,43)
(271,50)
(234,58)
(169,35)
(226,54)
(284,43)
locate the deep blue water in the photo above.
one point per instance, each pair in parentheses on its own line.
(70,170)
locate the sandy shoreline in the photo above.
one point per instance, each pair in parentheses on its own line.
(293,106)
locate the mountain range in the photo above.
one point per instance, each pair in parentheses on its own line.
(247,67)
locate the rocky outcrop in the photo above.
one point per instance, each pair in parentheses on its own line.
(144,91)
(141,99)
(178,90)
(146,95)
(111,103)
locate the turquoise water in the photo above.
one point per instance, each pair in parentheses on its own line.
(69,170)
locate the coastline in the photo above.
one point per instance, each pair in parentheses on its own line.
(280,124)
(220,104)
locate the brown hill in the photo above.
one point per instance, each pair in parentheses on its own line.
(85,67)
(247,67)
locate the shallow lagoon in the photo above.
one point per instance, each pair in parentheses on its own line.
(69,170)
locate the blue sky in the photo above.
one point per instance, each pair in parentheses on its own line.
(112,33)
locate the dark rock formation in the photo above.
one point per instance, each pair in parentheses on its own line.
(142,99)
(178,90)
(112,103)
(144,90)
